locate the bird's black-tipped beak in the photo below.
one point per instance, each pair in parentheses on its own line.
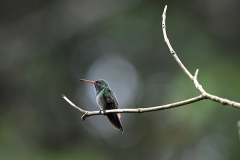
(85,80)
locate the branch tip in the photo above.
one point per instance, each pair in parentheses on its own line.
(165,9)
(164,13)
(196,74)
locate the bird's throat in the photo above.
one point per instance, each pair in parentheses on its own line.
(98,89)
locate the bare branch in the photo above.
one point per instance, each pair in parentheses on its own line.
(193,78)
(136,110)
(72,104)
(170,46)
(203,95)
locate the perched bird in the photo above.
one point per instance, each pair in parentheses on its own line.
(106,100)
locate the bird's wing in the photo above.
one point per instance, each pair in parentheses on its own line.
(111,100)
(112,103)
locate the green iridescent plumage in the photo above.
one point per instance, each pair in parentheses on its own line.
(106,100)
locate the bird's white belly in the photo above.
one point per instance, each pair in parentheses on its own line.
(99,102)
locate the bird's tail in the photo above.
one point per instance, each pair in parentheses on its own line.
(114,119)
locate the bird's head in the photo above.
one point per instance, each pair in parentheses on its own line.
(98,84)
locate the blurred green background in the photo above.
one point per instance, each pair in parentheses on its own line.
(46,46)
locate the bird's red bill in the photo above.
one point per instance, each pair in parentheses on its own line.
(85,80)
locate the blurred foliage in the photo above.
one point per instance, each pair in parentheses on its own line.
(46,46)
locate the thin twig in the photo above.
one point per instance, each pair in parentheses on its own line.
(170,46)
(72,104)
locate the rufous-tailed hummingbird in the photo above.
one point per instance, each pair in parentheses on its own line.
(106,100)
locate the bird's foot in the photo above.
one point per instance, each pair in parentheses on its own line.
(102,111)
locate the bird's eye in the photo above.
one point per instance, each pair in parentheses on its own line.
(99,82)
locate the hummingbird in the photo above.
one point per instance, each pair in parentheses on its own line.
(106,100)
